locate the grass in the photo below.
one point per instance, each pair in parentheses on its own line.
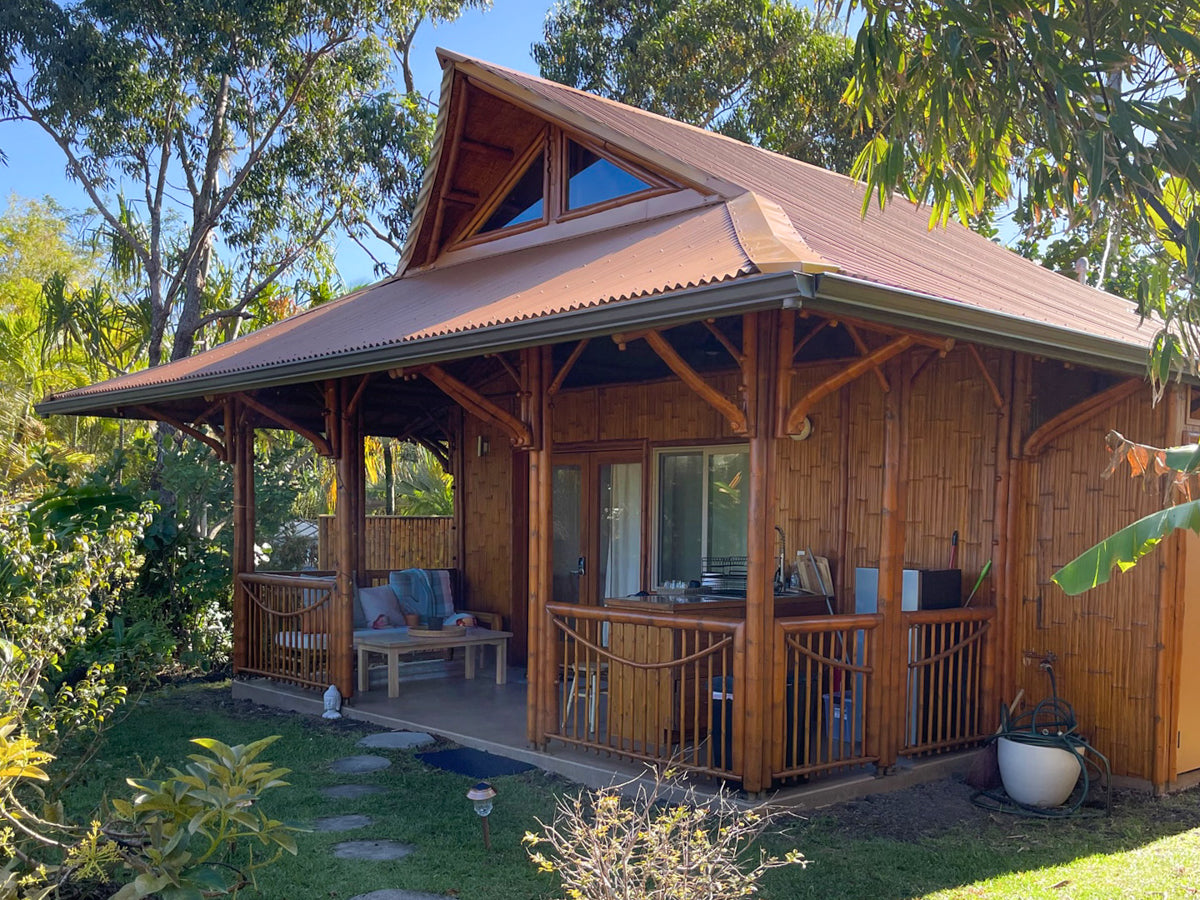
(1149,848)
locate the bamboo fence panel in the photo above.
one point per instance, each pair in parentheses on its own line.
(822,684)
(648,687)
(1104,641)
(289,620)
(944,685)
(396,542)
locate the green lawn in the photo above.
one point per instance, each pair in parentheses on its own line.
(1150,848)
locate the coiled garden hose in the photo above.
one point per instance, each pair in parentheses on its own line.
(1051,723)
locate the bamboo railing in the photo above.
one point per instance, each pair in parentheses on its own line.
(647,687)
(945,704)
(289,623)
(823,687)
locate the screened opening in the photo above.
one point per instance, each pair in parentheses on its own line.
(526,202)
(593,179)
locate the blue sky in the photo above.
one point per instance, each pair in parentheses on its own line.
(502,35)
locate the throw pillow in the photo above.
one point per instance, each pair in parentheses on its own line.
(381,601)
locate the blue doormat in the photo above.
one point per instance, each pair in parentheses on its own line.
(474,763)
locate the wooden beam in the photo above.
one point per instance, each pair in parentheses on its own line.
(783,369)
(458,195)
(1077,415)
(725,342)
(504,153)
(222,450)
(341,631)
(241,441)
(722,404)
(507,366)
(217,406)
(864,364)
(352,406)
(987,377)
(478,405)
(817,329)
(557,383)
(317,440)
(863,350)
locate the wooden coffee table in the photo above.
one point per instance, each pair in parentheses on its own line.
(393,646)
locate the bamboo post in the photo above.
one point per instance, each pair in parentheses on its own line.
(341,657)
(1013,572)
(758,348)
(240,440)
(893,649)
(540,707)
(996,644)
(1168,659)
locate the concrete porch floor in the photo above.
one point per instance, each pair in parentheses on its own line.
(436,698)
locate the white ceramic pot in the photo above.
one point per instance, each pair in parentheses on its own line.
(1037,775)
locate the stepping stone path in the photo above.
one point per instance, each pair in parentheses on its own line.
(397,740)
(359,765)
(342,823)
(375,851)
(351,791)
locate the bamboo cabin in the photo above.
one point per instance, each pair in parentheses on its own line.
(660,363)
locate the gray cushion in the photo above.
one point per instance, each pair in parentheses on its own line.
(380,601)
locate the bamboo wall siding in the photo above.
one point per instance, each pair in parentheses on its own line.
(395,542)
(486,495)
(864,489)
(952,468)
(1105,639)
(662,411)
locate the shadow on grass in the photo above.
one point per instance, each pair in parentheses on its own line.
(872,859)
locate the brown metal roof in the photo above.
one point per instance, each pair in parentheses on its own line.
(765,213)
(894,247)
(684,250)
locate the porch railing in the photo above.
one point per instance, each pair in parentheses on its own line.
(648,687)
(821,685)
(944,697)
(288,624)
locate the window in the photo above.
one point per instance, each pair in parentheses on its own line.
(702,505)
(526,202)
(593,179)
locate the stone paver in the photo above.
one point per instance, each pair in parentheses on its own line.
(376,851)
(351,791)
(342,823)
(397,740)
(357,765)
(393,894)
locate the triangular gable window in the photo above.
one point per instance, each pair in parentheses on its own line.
(525,202)
(592,179)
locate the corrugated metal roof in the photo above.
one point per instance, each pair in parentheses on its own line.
(893,247)
(668,254)
(802,213)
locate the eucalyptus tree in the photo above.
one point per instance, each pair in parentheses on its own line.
(1086,109)
(255,129)
(763,71)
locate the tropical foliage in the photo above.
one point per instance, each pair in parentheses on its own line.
(1087,110)
(765,71)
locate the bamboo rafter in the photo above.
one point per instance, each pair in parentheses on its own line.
(317,440)
(716,332)
(800,410)
(507,366)
(215,407)
(557,383)
(997,398)
(222,450)
(864,350)
(722,404)
(478,405)
(352,406)
(1077,415)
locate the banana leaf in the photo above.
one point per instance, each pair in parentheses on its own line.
(1124,548)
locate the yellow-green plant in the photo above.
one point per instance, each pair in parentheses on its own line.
(192,835)
(663,843)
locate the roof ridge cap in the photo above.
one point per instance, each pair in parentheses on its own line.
(770,240)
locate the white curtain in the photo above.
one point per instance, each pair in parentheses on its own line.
(623,562)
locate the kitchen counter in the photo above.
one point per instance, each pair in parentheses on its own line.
(787,604)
